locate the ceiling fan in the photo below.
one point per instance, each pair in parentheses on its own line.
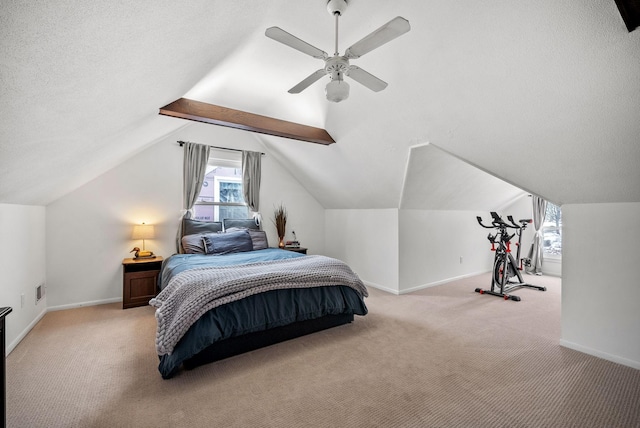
(337,66)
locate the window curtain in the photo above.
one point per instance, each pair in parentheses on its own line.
(535,252)
(194,167)
(251,172)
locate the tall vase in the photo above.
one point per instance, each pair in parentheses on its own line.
(281,243)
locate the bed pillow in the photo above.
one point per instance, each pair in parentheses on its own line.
(192,244)
(242,223)
(225,243)
(258,237)
(191,227)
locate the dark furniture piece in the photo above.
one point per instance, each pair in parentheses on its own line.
(3,313)
(630,11)
(140,281)
(300,250)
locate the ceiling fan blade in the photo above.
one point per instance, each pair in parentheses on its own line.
(366,79)
(314,77)
(290,40)
(389,31)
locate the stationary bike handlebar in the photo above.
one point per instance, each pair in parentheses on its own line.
(498,222)
(480,222)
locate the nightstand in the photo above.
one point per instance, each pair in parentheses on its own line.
(140,281)
(300,250)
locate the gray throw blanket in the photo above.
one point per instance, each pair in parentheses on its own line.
(192,293)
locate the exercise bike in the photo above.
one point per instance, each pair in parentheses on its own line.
(506,275)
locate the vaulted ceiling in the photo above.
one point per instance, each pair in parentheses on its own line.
(545,95)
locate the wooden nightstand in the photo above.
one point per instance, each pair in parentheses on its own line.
(140,281)
(301,250)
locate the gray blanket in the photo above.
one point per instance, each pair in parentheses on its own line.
(192,293)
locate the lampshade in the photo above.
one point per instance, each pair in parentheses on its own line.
(143,231)
(337,90)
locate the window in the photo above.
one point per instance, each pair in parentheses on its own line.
(552,232)
(221,195)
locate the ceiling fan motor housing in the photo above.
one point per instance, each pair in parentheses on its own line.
(336,65)
(337,89)
(336,6)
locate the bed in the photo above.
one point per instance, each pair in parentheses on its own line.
(231,293)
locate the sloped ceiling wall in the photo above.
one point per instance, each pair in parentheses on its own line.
(435,180)
(545,95)
(82,82)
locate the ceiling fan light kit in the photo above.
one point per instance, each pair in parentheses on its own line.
(337,90)
(338,66)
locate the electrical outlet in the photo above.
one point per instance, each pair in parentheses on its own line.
(460,259)
(22,300)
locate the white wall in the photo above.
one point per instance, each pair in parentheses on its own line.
(367,240)
(403,250)
(89,230)
(22,263)
(432,244)
(600,285)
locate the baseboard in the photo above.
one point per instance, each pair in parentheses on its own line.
(82,304)
(600,354)
(552,267)
(443,281)
(12,345)
(423,286)
(380,287)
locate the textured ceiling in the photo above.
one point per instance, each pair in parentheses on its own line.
(545,95)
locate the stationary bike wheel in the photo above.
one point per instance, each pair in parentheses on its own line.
(501,268)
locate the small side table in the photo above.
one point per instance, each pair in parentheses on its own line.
(140,281)
(300,250)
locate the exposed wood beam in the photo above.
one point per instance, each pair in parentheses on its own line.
(216,115)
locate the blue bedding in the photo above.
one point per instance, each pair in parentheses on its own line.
(259,312)
(180,262)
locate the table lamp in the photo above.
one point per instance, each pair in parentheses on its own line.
(143,231)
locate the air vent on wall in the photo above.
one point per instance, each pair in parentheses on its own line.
(39,292)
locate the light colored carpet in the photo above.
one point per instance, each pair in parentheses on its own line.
(441,357)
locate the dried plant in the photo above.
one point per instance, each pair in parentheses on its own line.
(280,220)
